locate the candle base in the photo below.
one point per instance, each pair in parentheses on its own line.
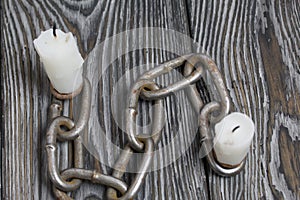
(227,166)
(64,96)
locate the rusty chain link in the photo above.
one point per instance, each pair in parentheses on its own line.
(65,129)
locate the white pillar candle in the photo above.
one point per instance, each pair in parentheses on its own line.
(62,61)
(233,137)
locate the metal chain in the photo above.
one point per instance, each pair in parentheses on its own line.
(65,129)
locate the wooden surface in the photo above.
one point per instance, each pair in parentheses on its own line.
(255,44)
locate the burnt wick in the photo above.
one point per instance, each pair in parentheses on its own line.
(235,129)
(54,29)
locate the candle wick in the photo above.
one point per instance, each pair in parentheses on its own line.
(235,128)
(54,29)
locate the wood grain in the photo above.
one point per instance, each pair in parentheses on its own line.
(93,24)
(255,44)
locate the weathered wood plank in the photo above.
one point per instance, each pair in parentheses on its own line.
(26,93)
(177,181)
(256,45)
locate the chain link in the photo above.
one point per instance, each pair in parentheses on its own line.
(65,129)
(132,112)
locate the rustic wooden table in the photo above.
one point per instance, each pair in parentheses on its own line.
(255,44)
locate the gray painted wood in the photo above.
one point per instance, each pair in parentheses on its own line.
(256,46)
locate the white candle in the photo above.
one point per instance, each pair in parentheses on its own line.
(62,61)
(233,137)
